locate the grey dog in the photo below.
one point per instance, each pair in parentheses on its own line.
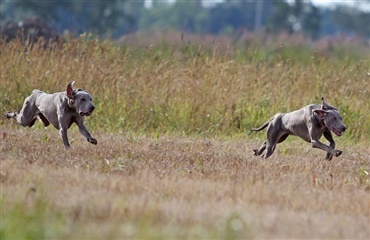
(61,109)
(309,123)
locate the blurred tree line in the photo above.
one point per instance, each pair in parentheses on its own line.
(114,18)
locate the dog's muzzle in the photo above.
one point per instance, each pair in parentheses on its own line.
(339,132)
(87,113)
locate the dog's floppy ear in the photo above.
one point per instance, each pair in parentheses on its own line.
(320,113)
(70,89)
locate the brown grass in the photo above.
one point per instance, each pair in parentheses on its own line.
(181,188)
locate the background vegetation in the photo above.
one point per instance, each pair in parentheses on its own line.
(116,18)
(194,89)
(174,155)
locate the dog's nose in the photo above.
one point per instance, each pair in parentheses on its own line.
(92,108)
(344,128)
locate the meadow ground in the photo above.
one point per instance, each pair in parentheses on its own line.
(141,187)
(174,155)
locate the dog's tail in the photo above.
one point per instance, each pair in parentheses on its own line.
(263,126)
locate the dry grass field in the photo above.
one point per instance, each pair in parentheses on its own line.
(140,187)
(174,155)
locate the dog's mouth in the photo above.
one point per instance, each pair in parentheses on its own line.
(337,132)
(85,113)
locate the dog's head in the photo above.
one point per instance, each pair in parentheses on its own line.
(332,120)
(80,99)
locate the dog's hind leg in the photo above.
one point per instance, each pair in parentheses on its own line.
(43,119)
(269,151)
(28,114)
(274,136)
(283,137)
(272,145)
(259,151)
(11,114)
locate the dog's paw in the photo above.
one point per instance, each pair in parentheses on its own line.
(336,153)
(92,140)
(10,115)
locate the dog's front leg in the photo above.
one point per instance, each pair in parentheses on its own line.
(63,128)
(84,132)
(329,137)
(331,152)
(63,133)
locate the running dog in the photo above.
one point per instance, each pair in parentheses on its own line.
(61,109)
(308,123)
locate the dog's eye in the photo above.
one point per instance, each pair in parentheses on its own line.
(90,99)
(83,99)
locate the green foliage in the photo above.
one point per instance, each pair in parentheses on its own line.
(30,220)
(186,15)
(353,19)
(108,18)
(235,228)
(115,18)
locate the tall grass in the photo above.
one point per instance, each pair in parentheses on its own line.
(191,89)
